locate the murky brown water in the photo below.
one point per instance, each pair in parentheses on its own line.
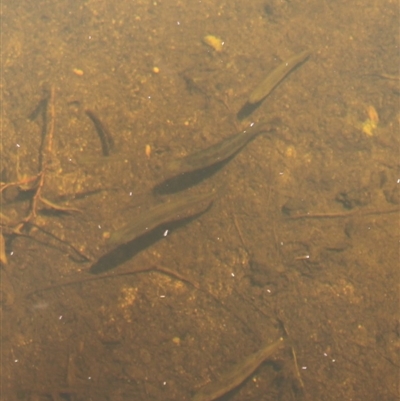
(302,237)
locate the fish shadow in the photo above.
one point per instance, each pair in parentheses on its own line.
(247,109)
(187,180)
(123,253)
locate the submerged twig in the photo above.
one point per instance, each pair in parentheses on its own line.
(84,257)
(354,212)
(44,156)
(391,77)
(296,366)
(34,184)
(3,256)
(80,280)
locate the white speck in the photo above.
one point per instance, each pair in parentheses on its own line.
(164,383)
(304,367)
(89,378)
(99,226)
(15,360)
(130,193)
(165,233)
(60,317)
(18,145)
(12,253)
(333,360)
(162,296)
(269,291)
(325,354)
(251,124)
(178,23)
(233,274)
(281,173)
(398,180)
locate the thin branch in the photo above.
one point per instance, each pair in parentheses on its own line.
(80,280)
(355,212)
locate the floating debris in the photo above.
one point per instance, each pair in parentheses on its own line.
(78,72)
(371,123)
(148,151)
(3,255)
(214,42)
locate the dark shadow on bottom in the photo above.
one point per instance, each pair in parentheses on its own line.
(187,180)
(246,110)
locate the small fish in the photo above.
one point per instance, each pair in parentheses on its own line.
(160,214)
(219,152)
(107,142)
(276,76)
(237,375)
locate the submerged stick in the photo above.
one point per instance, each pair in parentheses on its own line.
(154,268)
(343,214)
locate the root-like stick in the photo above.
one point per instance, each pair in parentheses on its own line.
(58,208)
(18,183)
(159,269)
(35,183)
(44,157)
(355,212)
(3,256)
(239,231)
(153,268)
(84,257)
(296,366)
(52,114)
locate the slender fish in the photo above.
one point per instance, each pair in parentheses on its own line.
(276,76)
(237,375)
(166,212)
(107,142)
(219,152)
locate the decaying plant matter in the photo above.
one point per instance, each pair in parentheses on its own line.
(33,185)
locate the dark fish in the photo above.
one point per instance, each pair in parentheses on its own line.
(237,375)
(107,142)
(174,210)
(219,152)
